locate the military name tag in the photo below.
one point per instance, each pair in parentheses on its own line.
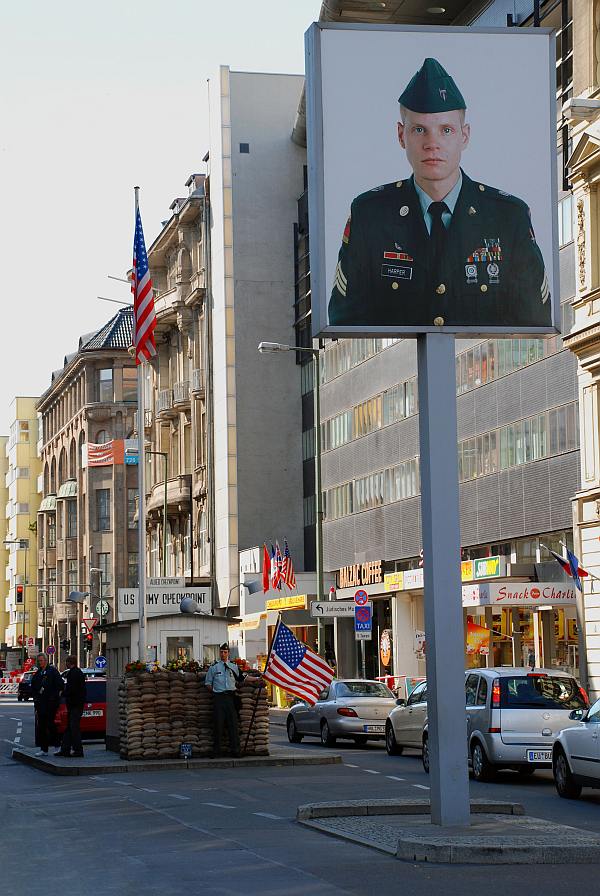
(390,270)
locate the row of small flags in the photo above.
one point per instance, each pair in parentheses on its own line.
(278,568)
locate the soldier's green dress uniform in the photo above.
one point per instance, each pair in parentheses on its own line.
(491,272)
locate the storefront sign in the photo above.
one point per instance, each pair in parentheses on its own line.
(413,578)
(478,639)
(393,581)
(293,602)
(518,594)
(419,647)
(385,647)
(483,568)
(360,574)
(160,601)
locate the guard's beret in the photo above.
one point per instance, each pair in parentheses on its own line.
(432,89)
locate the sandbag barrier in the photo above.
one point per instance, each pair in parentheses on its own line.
(159,711)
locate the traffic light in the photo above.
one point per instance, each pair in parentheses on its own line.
(86,641)
(19,594)
(65,644)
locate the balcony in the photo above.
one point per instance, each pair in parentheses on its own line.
(164,405)
(181,394)
(198,383)
(179,490)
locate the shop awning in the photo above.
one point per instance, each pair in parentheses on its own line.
(48,503)
(68,489)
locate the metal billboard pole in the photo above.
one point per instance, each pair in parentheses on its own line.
(440,523)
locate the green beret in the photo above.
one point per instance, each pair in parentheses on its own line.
(432,89)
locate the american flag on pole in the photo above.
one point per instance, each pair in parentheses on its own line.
(143,297)
(287,567)
(296,668)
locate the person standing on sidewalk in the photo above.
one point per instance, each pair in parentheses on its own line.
(221,680)
(46,688)
(75,698)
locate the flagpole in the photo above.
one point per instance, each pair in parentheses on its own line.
(141,367)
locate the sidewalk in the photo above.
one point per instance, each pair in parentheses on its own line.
(99,761)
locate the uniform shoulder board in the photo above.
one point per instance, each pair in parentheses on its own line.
(375,194)
(503,196)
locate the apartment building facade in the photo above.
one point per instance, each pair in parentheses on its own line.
(87,529)
(21,479)
(518,448)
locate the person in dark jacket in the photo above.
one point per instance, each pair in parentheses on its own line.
(46,688)
(74,698)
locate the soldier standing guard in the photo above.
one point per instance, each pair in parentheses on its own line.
(221,679)
(439,248)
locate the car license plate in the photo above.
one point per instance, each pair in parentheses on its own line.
(539,755)
(374,729)
(92,712)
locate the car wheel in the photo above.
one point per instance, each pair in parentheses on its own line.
(292,732)
(425,754)
(360,740)
(391,745)
(566,786)
(327,738)
(482,768)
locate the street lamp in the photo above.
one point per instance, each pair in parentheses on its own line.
(165,457)
(272,347)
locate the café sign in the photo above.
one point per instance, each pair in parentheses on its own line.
(483,568)
(359,574)
(519,594)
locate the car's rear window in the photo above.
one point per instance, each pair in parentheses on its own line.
(95,691)
(540,692)
(363,689)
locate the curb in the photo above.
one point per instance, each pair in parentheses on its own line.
(68,768)
(345,808)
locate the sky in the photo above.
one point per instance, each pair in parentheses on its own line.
(97,98)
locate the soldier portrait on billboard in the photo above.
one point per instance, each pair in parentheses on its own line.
(438,248)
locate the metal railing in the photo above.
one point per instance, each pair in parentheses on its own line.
(181,392)
(164,401)
(198,381)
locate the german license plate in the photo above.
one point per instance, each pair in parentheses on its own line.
(89,713)
(539,755)
(374,729)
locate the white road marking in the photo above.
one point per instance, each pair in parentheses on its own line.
(371,771)
(268,815)
(124,783)
(176,796)
(349,765)
(421,786)
(148,789)
(220,805)
(395,778)
(15,720)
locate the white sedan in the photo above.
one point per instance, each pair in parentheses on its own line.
(576,754)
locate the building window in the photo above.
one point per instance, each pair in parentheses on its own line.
(105,385)
(170,564)
(244,147)
(72,575)
(203,559)
(130,384)
(309,511)
(102,436)
(71,519)
(132,494)
(105,574)
(52,586)
(103,509)
(187,550)
(133,579)
(51,531)
(565,221)
(154,561)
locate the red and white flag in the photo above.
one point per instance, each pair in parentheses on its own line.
(296,668)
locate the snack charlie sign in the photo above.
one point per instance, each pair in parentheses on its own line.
(163,596)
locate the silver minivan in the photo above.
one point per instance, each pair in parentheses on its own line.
(513,717)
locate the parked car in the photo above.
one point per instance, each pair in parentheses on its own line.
(349,708)
(93,720)
(576,753)
(514,716)
(24,687)
(404,726)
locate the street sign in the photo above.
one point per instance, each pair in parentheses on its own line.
(363,622)
(100,662)
(51,649)
(89,623)
(363,636)
(322,608)
(161,600)
(102,607)
(361,597)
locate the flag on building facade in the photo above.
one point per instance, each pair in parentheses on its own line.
(295,668)
(143,297)
(266,569)
(275,580)
(287,569)
(571,567)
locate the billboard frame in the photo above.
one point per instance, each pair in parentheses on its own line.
(316,193)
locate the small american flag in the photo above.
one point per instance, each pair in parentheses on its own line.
(143,297)
(296,668)
(287,567)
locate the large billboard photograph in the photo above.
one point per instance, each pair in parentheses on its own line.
(432,180)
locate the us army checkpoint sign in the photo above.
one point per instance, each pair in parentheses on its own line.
(438,212)
(161,600)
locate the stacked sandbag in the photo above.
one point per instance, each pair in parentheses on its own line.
(130,717)
(254,725)
(203,708)
(165,746)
